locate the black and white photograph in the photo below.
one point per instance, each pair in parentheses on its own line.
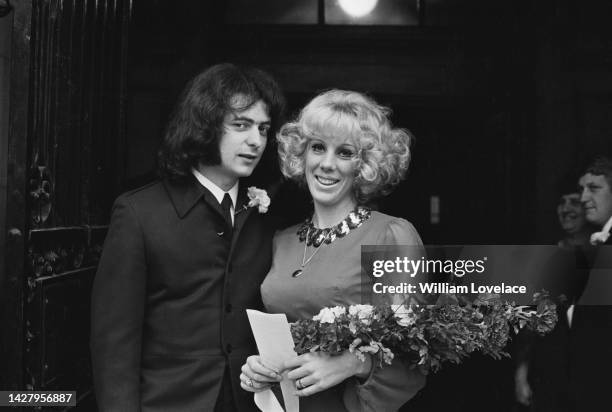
(305,205)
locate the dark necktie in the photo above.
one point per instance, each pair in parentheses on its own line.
(226,205)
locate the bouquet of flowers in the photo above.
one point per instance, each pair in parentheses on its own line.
(423,335)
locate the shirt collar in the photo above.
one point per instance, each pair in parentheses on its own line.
(608,226)
(217,192)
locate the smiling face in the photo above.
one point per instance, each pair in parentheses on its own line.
(330,165)
(241,145)
(570,213)
(596,198)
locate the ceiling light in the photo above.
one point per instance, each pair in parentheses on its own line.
(357,8)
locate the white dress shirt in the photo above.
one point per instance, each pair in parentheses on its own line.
(217,192)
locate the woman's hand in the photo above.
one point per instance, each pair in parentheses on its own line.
(315,372)
(256,376)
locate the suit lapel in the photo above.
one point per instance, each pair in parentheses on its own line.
(185,193)
(242,214)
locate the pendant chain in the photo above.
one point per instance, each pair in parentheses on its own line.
(321,237)
(304,260)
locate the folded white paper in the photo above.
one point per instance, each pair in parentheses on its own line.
(273,337)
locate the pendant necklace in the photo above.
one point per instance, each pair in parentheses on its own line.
(305,261)
(311,235)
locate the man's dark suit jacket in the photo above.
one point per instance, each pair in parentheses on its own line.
(591,337)
(569,368)
(169,299)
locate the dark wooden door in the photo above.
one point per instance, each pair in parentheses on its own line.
(65,164)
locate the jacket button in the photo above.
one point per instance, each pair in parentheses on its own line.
(228,308)
(228,348)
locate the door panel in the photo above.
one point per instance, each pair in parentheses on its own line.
(66,165)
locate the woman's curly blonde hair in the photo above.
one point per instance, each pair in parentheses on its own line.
(383,151)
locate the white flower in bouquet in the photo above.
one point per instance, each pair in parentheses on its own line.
(338,310)
(363,312)
(329,315)
(374,348)
(404,316)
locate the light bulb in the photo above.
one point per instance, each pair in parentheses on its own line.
(358,8)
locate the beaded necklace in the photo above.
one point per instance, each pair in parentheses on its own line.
(318,237)
(315,237)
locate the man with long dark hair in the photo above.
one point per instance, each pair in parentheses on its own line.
(185,256)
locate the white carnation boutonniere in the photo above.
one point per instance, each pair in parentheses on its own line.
(598,238)
(257,198)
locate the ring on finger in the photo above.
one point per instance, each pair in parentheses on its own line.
(249,382)
(299,384)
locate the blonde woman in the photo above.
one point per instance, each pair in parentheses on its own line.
(343,148)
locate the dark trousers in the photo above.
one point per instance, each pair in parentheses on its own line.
(225,401)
